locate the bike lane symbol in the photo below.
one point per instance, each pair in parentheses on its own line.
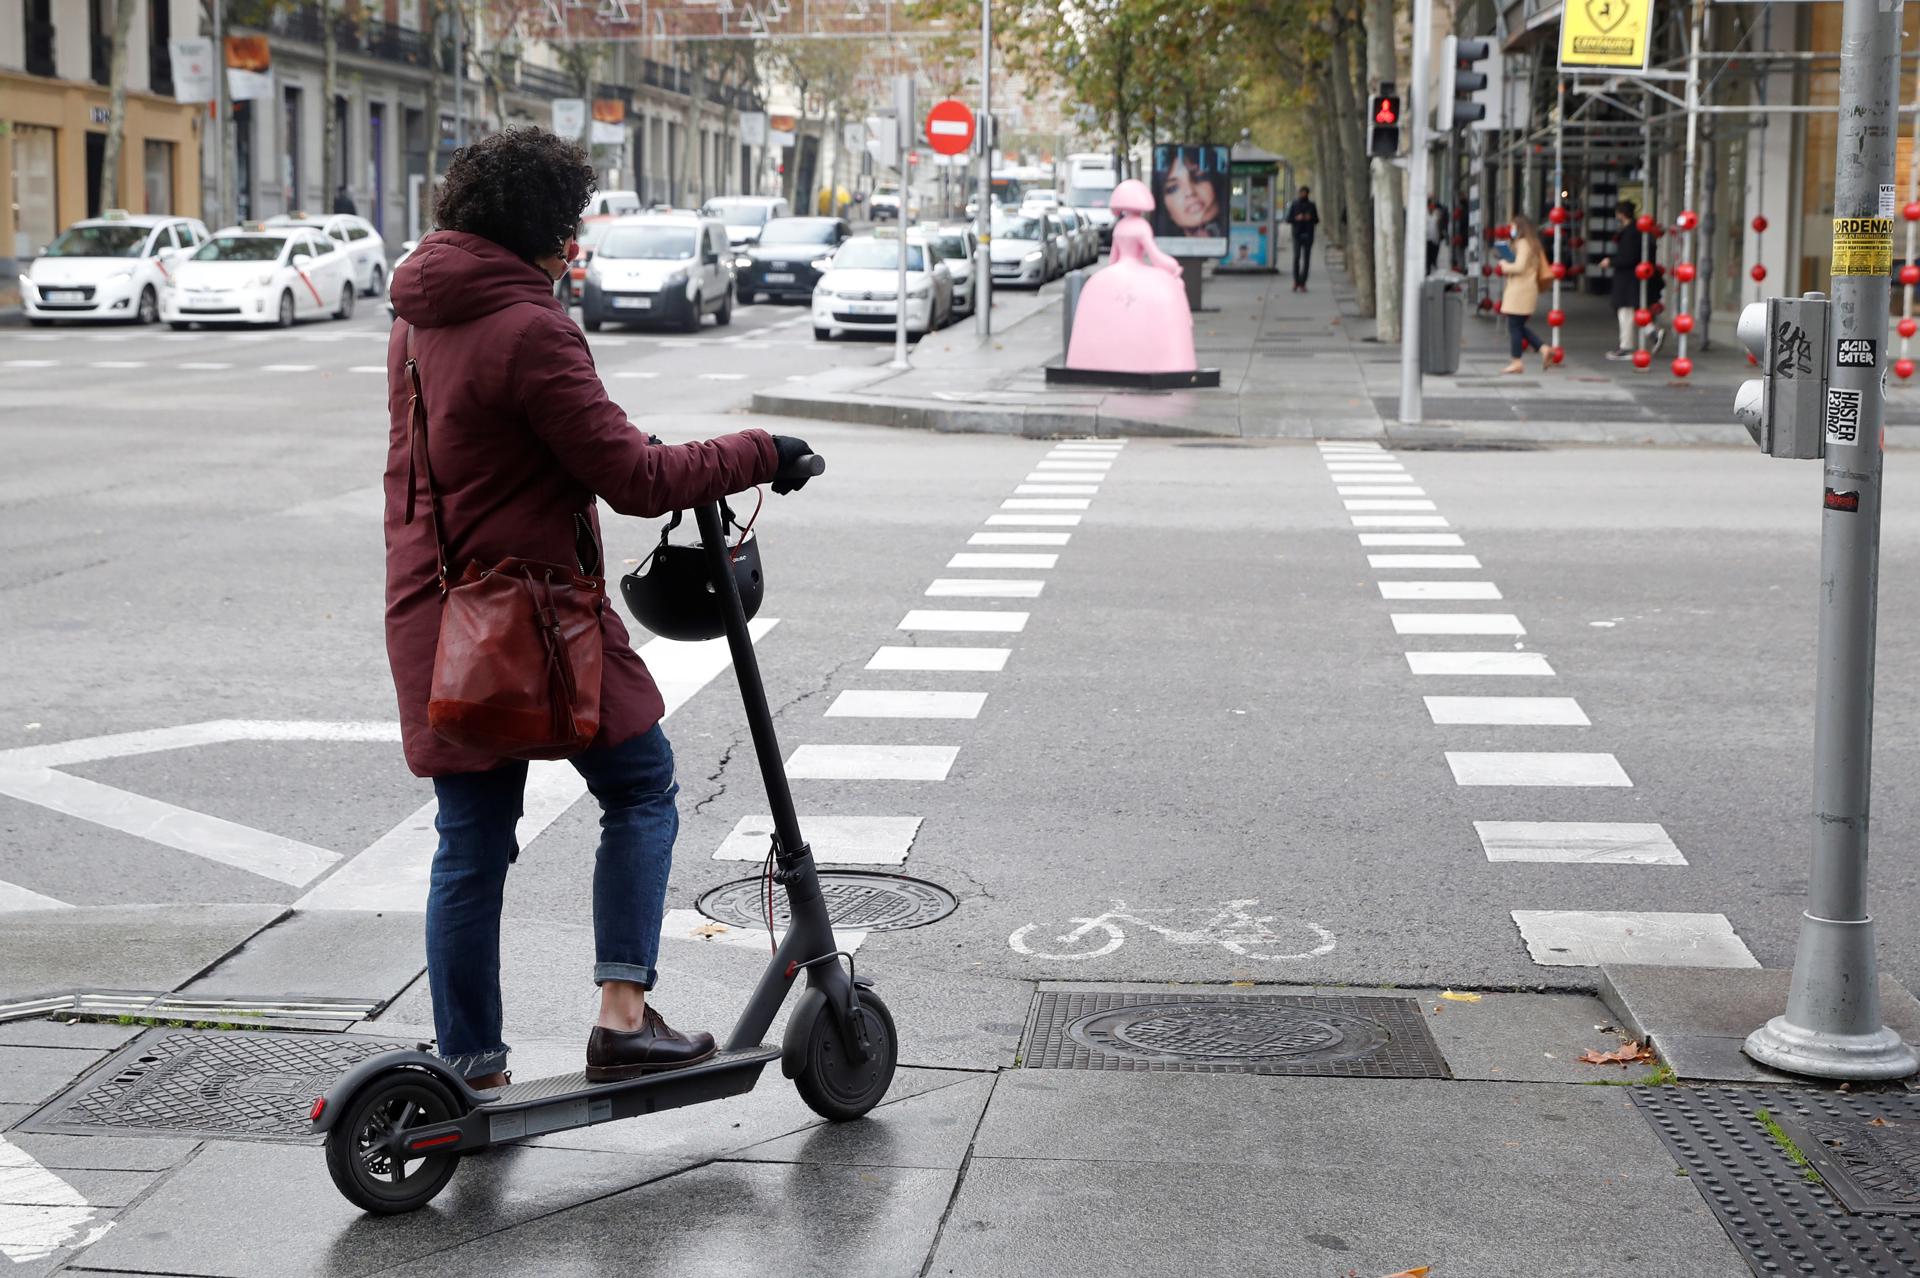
(1233,928)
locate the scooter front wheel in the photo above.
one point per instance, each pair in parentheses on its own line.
(832,1083)
(366,1152)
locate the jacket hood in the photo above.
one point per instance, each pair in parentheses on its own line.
(453,277)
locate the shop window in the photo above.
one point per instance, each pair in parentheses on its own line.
(159,176)
(159,58)
(100,39)
(36,212)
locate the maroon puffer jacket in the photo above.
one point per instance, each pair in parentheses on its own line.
(523,439)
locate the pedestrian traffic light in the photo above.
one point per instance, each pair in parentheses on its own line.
(1460,83)
(1383,122)
(1784,409)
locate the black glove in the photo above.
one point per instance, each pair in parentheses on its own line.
(787,476)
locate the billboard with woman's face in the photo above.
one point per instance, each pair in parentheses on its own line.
(1191,188)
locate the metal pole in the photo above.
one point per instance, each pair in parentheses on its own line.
(1685,294)
(1832,1027)
(1560,204)
(1646,207)
(1913,193)
(903,117)
(1414,249)
(460,81)
(221,109)
(983,217)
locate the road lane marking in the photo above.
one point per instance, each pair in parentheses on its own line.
(368,368)
(721,377)
(1060,490)
(1019,539)
(876,703)
(984,588)
(1100,467)
(1479,663)
(1411,539)
(40,1213)
(31,363)
(1536,768)
(1399,521)
(834,840)
(963,619)
(692,925)
(1457,623)
(1590,938)
(1368,503)
(1380,490)
(814,762)
(1034,521)
(1477,590)
(1423,561)
(204,367)
(638,374)
(982,660)
(1579,842)
(1046,503)
(995,560)
(287,368)
(117,363)
(1508,711)
(14,899)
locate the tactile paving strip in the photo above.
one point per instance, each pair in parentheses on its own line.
(1286,1034)
(222,1086)
(856,901)
(1783,1221)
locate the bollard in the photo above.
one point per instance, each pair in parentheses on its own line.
(1069,303)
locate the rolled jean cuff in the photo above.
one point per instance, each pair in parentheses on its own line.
(640,975)
(475,1064)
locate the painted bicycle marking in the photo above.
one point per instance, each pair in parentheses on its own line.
(1234,928)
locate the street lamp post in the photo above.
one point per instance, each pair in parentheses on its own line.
(983,215)
(1414,251)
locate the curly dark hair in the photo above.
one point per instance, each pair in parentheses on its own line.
(523,189)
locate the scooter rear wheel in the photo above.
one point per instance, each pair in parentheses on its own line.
(361,1147)
(830,1081)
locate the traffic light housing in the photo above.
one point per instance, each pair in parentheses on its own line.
(1461,86)
(1784,409)
(1383,122)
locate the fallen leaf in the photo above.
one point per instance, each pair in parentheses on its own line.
(1635,1052)
(707,931)
(1419,1271)
(1876,1122)
(1455,996)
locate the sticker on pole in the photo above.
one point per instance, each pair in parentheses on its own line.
(1857,352)
(1862,245)
(950,127)
(1843,415)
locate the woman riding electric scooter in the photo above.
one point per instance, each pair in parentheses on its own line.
(523,439)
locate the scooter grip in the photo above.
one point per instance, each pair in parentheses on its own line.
(808,464)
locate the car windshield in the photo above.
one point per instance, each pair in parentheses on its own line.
(654,243)
(110,240)
(740,213)
(952,246)
(798,230)
(1090,197)
(591,233)
(240,248)
(1017,228)
(877,255)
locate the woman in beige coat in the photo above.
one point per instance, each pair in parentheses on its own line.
(1523,294)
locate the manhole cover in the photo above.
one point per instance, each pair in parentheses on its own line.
(856,900)
(245,1084)
(1873,1164)
(1783,1219)
(1231,1033)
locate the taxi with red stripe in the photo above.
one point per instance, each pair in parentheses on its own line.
(260,274)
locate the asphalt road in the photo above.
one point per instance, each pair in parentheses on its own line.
(1207,704)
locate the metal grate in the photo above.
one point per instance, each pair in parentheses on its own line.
(1341,1036)
(1783,1221)
(240,1085)
(856,900)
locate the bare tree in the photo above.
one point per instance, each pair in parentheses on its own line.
(117,110)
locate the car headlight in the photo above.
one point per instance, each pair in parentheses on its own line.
(122,274)
(820,263)
(675,280)
(742,263)
(1032,257)
(263,279)
(924,291)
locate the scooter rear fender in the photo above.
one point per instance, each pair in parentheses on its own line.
(339,1096)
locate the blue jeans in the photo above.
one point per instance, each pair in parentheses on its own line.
(1520,336)
(478,812)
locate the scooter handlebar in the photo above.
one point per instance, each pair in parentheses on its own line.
(805,466)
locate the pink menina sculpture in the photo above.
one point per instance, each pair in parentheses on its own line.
(1133,316)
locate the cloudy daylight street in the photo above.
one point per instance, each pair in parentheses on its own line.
(1264,828)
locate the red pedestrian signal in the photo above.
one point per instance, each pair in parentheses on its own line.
(1385,115)
(1383,130)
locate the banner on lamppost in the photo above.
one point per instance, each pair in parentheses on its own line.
(192,60)
(609,121)
(753,128)
(249,68)
(1605,35)
(569,117)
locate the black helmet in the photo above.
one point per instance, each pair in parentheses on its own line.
(671,594)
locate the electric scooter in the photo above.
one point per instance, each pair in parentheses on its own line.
(397,1124)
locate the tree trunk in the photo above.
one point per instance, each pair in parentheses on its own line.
(330,179)
(1333,192)
(117,111)
(1389,198)
(1357,237)
(690,142)
(829,161)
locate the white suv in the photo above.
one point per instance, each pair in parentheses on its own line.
(118,267)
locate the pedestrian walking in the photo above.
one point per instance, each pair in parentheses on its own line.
(1527,273)
(497,477)
(1436,229)
(1624,288)
(343,201)
(1303,217)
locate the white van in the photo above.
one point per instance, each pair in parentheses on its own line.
(660,268)
(613,203)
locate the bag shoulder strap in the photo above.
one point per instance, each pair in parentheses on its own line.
(419,453)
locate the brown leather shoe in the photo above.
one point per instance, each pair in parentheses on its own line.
(616,1054)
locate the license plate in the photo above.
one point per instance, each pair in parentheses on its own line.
(203,297)
(871,308)
(779,277)
(632,303)
(65,295)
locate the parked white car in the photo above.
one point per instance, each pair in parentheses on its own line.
(857,292)
(613,204)
(119,267)
(1023,248)
(358,237)
(958,245)
(256,274)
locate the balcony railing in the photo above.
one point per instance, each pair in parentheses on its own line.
(370,37)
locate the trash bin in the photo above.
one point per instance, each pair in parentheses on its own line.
(1069,303)
(1442,312)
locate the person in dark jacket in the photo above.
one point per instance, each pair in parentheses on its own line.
(1624,288)
(523,439)
(1303,217)
(343,201)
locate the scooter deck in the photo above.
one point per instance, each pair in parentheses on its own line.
(566,1101)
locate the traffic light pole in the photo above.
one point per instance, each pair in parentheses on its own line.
(983,137)
(1832,1027)
(1414,249)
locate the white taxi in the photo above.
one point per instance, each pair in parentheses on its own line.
(857,288)
(255,274)
(354,234)
(117,267)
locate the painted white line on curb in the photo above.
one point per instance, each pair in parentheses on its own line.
(15,899)
(1019,539)
(815,762)
(1590,938)
(1046,503)
(962,619)
(1476,590)
(991,559)
(1399,521)
(981,660)
(1034,521)
(886,703)
(40,1213)
(1478,663)
(1424,561)
(1536,768)
(1579,842)
(1411,539)
(1560,712)
(984,588)
(1457,623)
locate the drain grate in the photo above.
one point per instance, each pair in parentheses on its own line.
(861,900)
(223,1086)
(1782,1222)
(1341,1036)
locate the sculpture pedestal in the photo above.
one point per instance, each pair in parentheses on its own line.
(1060,375)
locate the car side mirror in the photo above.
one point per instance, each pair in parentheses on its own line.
(301,259)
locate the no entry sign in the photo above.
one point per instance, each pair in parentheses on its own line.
(950,127)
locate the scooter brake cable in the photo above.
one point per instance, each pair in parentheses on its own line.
(766,886)
(759,500)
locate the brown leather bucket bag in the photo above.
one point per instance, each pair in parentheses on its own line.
(517,670)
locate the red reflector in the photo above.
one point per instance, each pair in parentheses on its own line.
(1843,501)
(431,1141)
(319,1108)
(792,967)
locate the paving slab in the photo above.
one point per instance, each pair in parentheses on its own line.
(323,954)
(44,1032)
(29,1075)
(724,1220)
(1312,1177)
(1699,1017)
(945,1019)
(238,1210)
(1527,1038)
(140,947)
(102,1153)
(108,1188)
(932,1129)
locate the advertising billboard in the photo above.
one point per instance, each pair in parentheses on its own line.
(1192,189)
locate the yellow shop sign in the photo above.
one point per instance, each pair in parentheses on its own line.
(1608,35)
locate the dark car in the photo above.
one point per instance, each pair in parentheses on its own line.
(785,264)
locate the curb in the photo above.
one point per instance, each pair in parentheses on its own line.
(1030,423)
